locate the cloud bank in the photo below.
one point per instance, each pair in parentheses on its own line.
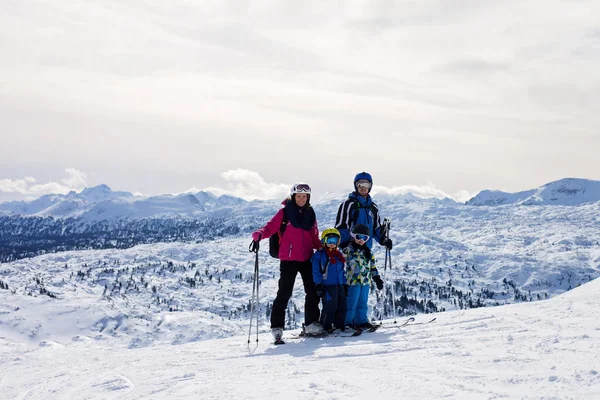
(29,188)
(425,191)
(249,185)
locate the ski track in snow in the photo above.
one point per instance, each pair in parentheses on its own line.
(543,350)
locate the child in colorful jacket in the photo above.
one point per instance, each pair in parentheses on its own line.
(329,275)
(360,269)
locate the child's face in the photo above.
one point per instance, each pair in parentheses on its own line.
(331,246)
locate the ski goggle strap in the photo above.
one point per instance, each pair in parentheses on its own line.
(360,236)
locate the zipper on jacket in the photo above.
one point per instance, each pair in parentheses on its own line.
(290,253)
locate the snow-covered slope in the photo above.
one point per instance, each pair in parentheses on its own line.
(566,192)
(541,350)
(445,257)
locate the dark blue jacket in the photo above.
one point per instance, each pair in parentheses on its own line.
(358,210)
(326,272)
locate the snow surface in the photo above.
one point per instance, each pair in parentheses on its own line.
(542,350)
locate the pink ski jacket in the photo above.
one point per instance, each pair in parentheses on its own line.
(296,244)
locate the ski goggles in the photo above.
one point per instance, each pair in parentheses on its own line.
(302,188)
(332,239)
(364,184)
(360,236)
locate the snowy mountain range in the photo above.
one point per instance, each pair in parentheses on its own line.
(100,202)
(565,192)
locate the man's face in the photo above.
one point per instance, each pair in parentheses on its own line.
(363,186)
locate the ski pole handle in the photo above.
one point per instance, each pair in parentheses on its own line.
(254,246)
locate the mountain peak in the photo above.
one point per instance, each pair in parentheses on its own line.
(567,191)
(102,188)
(100,193)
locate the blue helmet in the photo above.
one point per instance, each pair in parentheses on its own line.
(361,176)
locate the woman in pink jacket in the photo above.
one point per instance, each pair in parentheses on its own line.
(300,238)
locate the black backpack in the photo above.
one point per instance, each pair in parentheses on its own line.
(275,239)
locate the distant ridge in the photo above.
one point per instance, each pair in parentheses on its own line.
(100,202)
(565,192)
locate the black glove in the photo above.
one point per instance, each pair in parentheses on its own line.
(387,242)
(319,289)
(378,282)
(346,290)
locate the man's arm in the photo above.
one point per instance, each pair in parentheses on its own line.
(342,222)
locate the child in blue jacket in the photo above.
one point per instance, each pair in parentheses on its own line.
(329,274)
(360,269)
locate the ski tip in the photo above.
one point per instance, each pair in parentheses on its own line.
(278,342)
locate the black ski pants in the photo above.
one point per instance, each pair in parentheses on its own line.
(288,271)
(334,306)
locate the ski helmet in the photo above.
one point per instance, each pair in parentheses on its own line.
(330,232)
(362,176)
(300,188)
(361,229)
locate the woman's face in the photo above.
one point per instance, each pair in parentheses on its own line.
(301,199)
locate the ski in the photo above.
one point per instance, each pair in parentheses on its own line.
(392,325)
(374,328)
(408,322)
(424,322)
(357,332)
(278,342)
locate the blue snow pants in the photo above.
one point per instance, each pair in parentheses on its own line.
(358,297)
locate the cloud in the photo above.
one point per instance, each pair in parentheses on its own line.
(75,180)
(249,185)
(426,191)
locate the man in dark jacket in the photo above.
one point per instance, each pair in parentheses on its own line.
(359,208)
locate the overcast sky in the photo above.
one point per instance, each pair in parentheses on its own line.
(445,98)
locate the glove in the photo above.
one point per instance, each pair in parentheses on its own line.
(319,289)
(346,290)
(387,242)
(256,236)
(378,282)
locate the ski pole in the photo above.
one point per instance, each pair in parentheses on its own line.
(389,257)
(384,234)
(253,248)
(387,223)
